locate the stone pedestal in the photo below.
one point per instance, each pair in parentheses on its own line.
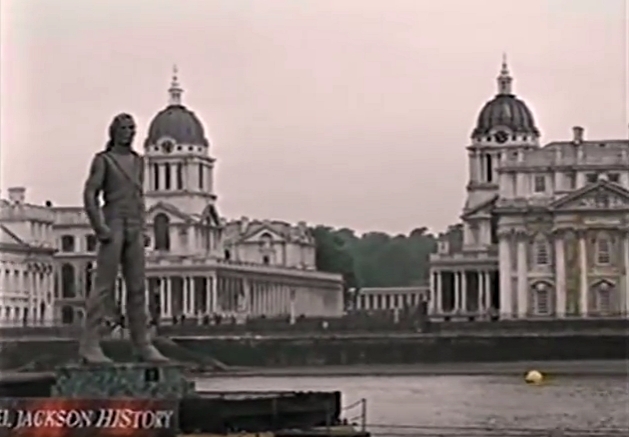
(128,380)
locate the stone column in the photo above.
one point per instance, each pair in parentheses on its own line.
(208,294)
(560,277)
(186,298)
(481,292)
(433,291)
(193,298)
(487,283)
(464,291)
(625,292)
(504,270)
(522,278)
(457,291)
(161,168)
(439,292)
(169,296)
(583,267)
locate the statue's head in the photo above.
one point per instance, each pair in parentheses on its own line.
(121,131)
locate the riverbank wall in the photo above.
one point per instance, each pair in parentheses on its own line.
(348,350)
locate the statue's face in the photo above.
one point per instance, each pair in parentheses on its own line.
(125,131)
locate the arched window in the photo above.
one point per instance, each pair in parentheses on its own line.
(603,298)
(542,257)
(89,270)
(90,242)
(67,243)
(603,250)
(161,232)
(67,281)
(542,299)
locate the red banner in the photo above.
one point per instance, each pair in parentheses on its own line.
(58,417)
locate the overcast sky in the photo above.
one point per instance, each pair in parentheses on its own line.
(344,112)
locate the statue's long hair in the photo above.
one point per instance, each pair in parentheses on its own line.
(113,127)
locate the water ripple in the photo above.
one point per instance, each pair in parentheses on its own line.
(586,403)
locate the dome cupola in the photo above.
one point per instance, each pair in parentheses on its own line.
(176,122)
(505,115)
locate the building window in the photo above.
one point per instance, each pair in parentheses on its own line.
(228,255)
(201,177)
(266,260)
(591,178)
(90,242)
(542,257)
(167,176)
(489,169)
(614,177)
(155,176)
(539,183)
(572,181)
(180,176)
(67,243)
(542,300)
(67,281)
(161,232)
(603,251)
(603,298)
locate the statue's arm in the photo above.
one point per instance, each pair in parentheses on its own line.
(91,191)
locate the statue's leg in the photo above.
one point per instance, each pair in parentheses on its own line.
(133,270)
(100,304)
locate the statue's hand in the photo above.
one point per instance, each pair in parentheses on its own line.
(104,234)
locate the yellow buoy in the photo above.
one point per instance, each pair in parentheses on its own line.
(534,377)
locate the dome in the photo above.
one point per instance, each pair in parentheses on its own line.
(505,110)
(176,121)
(179,123)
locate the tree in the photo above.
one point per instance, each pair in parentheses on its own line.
(377,259)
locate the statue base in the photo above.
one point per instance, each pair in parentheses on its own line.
(123,380)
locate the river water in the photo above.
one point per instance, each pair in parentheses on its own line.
(416,405)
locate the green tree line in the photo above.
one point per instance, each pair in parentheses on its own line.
(377,259)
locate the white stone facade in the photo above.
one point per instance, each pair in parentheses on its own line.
(546,228)
(26,261)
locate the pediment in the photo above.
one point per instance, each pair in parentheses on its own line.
(171,211)
(260,234)
(600,196)
(483,209)
(210,215)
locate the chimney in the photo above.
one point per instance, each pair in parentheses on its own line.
(577,134)
(17,195)
(244,224)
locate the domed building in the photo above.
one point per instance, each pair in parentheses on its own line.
(198,263)
(545,228)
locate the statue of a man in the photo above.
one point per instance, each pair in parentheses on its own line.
(118,174)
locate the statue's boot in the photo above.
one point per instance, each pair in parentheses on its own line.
(90,350)
(143,347)
(146,351)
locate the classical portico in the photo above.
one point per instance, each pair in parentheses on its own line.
(464,284)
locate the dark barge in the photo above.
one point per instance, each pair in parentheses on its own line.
(213,412)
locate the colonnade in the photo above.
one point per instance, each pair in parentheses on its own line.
(231,295)
(180,175)
(461,291)
(27,293)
